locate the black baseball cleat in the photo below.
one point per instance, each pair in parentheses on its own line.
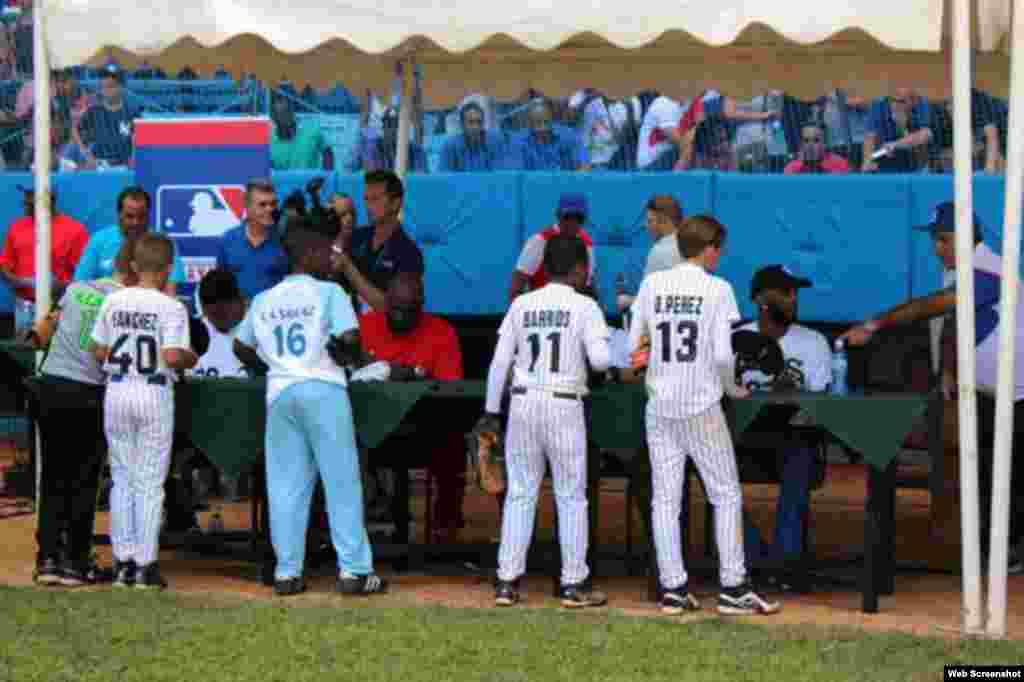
(47,572)
(742,600)
(371,583)
(676,601)
(148,577)
(289,586)
(124,573)
(581,596)
(506,593)
(74,574)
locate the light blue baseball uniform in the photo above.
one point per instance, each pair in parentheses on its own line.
(97,260)
(309,420)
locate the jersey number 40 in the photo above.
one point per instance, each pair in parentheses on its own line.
(143,356)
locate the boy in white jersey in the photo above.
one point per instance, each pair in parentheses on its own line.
(142,338)
(221,308)
(551,333)
(309,417)
(687,313)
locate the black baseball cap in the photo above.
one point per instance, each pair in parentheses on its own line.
(776,277)
(944,220)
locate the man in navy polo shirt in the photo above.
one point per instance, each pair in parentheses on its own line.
(252,251)
(382,249)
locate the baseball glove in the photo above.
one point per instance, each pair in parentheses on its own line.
(486,457)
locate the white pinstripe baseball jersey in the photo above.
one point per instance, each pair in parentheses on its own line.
(289,326)
(554,330)
(688,314)
(137,325)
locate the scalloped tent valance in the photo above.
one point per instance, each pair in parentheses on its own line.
(76,29)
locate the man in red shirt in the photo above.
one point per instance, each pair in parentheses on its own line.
(572,215)
(814,158)
(68,238)
(418,346)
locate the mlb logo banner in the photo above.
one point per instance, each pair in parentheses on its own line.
(195,169)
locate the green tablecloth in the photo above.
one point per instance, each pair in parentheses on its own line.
(23,355)
(226,417)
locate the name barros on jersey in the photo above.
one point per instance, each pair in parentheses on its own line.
(546,318)
(678,304)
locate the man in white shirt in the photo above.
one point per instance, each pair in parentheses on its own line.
(664,215)
(807,368)
(659,132)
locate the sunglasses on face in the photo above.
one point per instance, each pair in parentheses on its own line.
(814,138)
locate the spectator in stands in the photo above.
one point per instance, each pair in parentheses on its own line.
(659,135)
(108,125)
(221,74)
(294,146)
(147,71)
(379,147)
(606,128)
(418,347)
(547,146)
(133,207)
(65,153)
(8,65)
(187,73)
(813,157)
(21,33)
(253,251)
(712,145)
(989,118)
(529,273)
(71,98)
(475,148)
(706,126)
(68,239)
(901,125)
(381,250)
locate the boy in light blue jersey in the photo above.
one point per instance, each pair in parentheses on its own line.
(309,417)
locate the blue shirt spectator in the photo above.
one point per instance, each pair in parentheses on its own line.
(98,259)
(107,127)
(559,148)
(257,268)
(902,123)
(474,148)
(377,152)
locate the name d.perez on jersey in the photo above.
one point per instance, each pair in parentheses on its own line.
(546,318)
(678,305)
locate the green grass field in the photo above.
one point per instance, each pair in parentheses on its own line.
(108,635)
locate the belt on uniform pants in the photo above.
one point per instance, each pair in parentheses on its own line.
(521,390)
(156,380)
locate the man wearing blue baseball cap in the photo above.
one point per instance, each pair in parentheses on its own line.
(571,215)
(987,290)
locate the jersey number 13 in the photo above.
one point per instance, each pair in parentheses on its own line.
(686,331)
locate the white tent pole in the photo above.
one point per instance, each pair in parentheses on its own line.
(1005,384)
(404,119)
(41,113)
(968,415)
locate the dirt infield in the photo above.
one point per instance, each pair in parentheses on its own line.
(923,604)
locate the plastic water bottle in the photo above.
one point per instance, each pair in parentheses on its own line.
(839,369)
(620,294)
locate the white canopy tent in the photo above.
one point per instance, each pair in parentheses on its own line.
(73,30)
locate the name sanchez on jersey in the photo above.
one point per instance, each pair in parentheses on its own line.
(546,318)
(678,304)
(124,319)
(283,314)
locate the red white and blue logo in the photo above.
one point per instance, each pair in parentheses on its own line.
(199,210)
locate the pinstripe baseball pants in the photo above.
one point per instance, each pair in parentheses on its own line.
(139,422)
(542,427)
(704,437)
